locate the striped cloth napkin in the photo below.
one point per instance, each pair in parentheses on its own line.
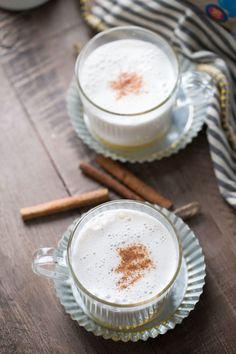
(201,41)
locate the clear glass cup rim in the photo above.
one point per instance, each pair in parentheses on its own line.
(125,28)
(104,302)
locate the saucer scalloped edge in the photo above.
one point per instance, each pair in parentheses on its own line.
(180,302)
(187,120)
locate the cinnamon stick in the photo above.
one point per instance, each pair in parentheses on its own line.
(130,180)
(108,181)
(90,198)
(188,211)
(77,48)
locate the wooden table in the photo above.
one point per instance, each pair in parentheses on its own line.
(39,155)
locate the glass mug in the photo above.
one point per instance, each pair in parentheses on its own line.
(108,314)
(142,128)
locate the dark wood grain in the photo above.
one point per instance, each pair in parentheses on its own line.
(39,158)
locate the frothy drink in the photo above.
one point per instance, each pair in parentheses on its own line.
(128,76)
(124,256)
(127,87)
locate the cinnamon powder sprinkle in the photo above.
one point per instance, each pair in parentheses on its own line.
(127,83)
(134,261)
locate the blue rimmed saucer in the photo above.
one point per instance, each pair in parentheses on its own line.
(181,300)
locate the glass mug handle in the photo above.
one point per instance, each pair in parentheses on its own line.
(45,257)
(198,82)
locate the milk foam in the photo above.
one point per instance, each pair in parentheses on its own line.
(95,256)
(105,65)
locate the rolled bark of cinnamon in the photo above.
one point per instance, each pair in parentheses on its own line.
(60,205)
(77,48)
(188,211)
(108,181)
(135,184)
